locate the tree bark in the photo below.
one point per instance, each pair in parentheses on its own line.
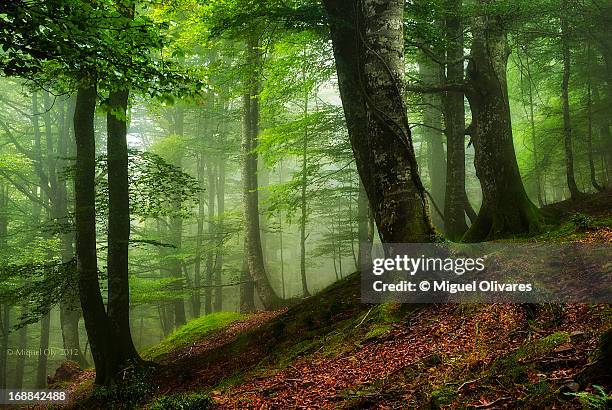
(505,208)
(369,53)
(365,233)
(253,248)
(94,314)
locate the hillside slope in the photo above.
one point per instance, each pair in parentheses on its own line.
(331,351)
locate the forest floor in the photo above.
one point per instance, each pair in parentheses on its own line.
(331,351)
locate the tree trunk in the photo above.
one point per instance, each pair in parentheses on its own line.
(119,227)
(455,204)
(41,367)
(432,124)
(253,248)
(567,126)
(70,311)
(22,344)
(218,301)
(176,232)
(593,175)
(94,314)
(364,233)
(304,185)
(370,65)
(5,311)
(505,208)
(196,299)
(247,287)
(210,233)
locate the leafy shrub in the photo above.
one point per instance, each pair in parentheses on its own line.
(182,401)
(127,394)
(582,221)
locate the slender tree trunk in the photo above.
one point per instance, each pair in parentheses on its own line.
(253,248)
(218,301)
(280,233)
(70,311)
(304,185)
(22,344)
(41,367)
(456,204)
(590,130)
(210,232)
(505,209)
(432,123)
(567,127)
(94,314)
(5,311)
(176,231)
(198,253)
(534,145)
(119,227)
(369,52)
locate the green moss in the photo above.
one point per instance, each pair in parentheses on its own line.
(376,331)
(191,332)
(512,368)
(442,396)
(182,401)
(541,346)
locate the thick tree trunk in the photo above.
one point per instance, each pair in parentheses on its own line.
(94,314)
(567,126)
(253,248)
(119,227)
(369,53)
(197,278)
(505,208)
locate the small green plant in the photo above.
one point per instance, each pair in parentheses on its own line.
(183,401)
(582,221)
(597,400)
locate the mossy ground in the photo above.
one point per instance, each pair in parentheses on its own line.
(190,332)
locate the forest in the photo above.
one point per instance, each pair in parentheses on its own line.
(190,191)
